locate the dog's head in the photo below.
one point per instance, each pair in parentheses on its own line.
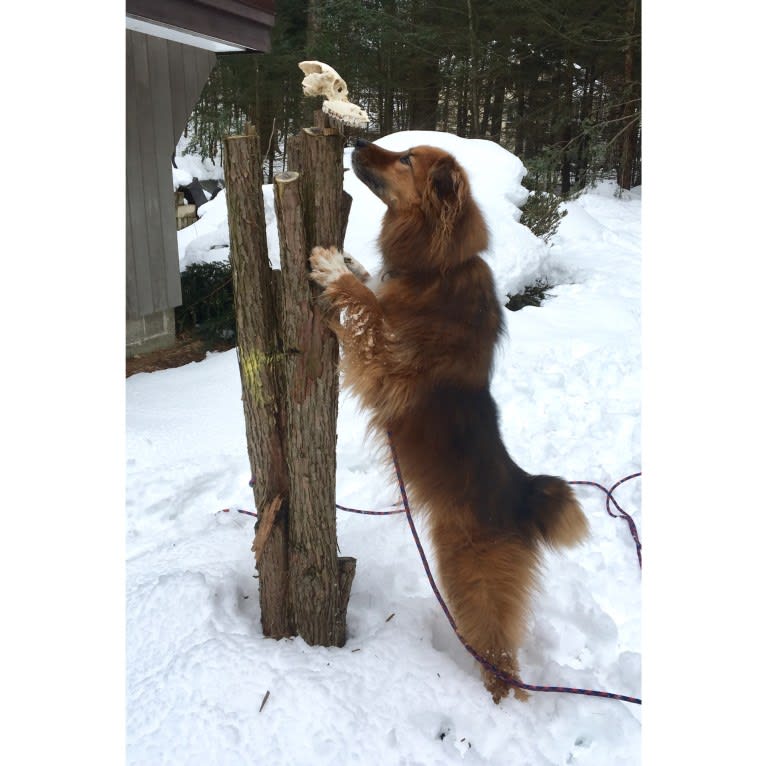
(426,190)
(423,176)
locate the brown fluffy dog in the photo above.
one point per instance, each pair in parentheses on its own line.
(418,354)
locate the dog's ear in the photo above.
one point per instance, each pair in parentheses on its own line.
(446,184)
(445,195)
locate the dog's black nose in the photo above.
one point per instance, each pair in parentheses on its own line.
(361,143)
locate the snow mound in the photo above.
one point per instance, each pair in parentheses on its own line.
(515,255)
(196,167)
(402,691)
(207,239)
(181,178)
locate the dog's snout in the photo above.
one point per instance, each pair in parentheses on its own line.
(361,143)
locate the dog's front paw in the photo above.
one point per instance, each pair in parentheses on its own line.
(356,268)
(327,264)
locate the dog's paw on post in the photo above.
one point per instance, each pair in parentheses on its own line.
(327,265)
(356,268)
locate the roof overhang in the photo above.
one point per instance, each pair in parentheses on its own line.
(216,25)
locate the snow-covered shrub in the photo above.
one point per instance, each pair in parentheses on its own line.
(542,213)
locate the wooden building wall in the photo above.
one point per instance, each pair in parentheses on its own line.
(163,82)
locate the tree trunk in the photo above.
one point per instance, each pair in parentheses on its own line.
(448,79)
(474,88)
(566,128)
(311,408)
(310,207)
(586,114)
(423,78)
(461,127)
(630,110)
(518,144)
(258,351)
(313,28)
(288,363)
(498,104)
(423,92)
(385,68)
(484,129)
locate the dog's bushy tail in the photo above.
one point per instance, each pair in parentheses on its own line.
(555,512)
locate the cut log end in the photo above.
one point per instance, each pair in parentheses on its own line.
(287,177)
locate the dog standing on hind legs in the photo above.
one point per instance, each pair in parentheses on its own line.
(418,353)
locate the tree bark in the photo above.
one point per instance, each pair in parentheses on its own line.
(258,352)
(565,72)
(313,28)
(423,79)
(473,73)
(310,208)
(311,410)
(630,110)
(288,364)
(498,98)
(519,143)
(317,155)
(385,65)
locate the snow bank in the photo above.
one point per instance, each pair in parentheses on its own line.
(403,690)
(193,166)
(516,256)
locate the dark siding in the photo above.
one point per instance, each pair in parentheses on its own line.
(164,80)
(189,72)
(166,268)
(178,99)
(139,300)
(131,290)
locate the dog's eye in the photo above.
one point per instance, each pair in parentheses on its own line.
(405,160)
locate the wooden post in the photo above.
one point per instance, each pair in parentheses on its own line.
(258,351)
(288,364)
(315,163)
(311,389)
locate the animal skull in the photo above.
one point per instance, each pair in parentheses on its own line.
(346,112)
(323,80)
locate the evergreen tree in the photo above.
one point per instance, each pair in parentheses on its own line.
(557,83)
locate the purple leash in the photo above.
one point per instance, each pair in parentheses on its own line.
(482,660)
(622,514)
(486,663)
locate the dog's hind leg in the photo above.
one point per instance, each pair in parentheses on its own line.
(507,662)
(487,584)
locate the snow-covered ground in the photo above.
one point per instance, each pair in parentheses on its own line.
(63,414)
(516,256)
(402,690)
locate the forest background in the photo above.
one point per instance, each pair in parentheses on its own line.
(557,83)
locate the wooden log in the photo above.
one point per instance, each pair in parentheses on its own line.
(288,363)
(317,155)
(259,350)
(319,160)
(318,594)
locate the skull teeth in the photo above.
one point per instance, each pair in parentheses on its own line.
(348,113)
